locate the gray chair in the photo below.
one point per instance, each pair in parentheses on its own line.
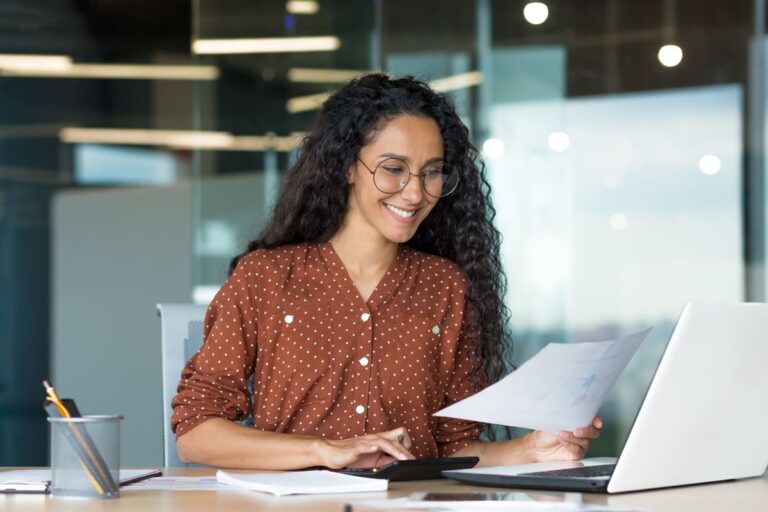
(182,334)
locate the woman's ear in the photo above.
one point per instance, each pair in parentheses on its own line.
(351,174)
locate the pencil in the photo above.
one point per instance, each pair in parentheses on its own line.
(54,398)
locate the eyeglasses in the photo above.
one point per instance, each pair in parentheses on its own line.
(392,175)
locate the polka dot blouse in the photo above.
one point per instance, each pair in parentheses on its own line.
(324,362)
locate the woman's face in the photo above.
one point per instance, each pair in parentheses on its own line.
(417,142)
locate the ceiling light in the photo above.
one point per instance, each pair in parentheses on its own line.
(172,138)
(449,83)
(536,13)
(266,45)
(493,148)
(670,55)
(117,71)
(559,141)
(323,76)
(186,139)
(23,62)
(461,81)
(710,164)
(302,6)
(306,103)
(265,142)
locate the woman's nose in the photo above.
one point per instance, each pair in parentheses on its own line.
(413,191)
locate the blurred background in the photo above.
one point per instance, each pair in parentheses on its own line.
(142,142)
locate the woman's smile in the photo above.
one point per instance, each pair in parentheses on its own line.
(405,215)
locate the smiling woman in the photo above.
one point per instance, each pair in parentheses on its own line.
(371,300)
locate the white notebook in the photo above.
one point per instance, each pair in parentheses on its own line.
(302,482)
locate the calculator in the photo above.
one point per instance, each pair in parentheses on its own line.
(417,469)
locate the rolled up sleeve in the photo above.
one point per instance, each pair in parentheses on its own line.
(214,381)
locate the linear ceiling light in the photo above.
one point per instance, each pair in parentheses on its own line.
(449,83)
(34,62)
(266,45)
(116,71)
(302,6)
(185,139)
(462,81)
(323,76)
(265,142)
(306,103)
(172,138)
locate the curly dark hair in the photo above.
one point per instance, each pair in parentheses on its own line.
(312,203)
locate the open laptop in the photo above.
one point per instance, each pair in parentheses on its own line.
(703,419)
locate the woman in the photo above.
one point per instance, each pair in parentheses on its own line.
(372,299)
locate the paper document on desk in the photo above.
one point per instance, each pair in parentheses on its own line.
(560,388)
(301,482)
(180,483)
(482,501)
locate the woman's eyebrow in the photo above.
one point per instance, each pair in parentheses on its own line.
(432,160)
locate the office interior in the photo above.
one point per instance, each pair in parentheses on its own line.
(142,144)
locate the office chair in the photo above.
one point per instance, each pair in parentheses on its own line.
(181,326)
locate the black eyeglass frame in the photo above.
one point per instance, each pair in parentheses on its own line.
(419,175)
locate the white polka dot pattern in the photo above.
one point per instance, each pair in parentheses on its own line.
(327,363)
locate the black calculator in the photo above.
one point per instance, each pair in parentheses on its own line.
(417,469)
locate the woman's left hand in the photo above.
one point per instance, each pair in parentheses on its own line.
(563,445)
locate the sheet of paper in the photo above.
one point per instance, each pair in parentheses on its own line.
(302,482)
(180,483)
(473,502)
(560,388)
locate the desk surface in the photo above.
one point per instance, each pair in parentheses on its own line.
(744,495)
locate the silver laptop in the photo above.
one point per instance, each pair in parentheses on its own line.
(703,419)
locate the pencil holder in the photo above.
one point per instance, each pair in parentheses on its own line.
(85,456)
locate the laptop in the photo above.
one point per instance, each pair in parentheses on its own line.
(704,417)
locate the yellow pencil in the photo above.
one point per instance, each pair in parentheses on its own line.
(54,397)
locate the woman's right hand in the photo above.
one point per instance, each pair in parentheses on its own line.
(368,451)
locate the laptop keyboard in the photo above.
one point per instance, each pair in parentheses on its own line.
(601,471)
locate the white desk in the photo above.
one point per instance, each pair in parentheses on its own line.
(741,496)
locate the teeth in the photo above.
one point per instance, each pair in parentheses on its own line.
(401,213)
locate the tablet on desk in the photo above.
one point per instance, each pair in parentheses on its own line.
(418,469)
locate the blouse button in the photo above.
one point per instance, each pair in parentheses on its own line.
(364,361)
(288,319)
(359,409)
(436,330)
(364,317)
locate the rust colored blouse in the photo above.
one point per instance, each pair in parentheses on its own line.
(327,363)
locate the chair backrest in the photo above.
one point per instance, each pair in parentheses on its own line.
(181,326)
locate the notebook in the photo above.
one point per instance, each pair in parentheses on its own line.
(302,482)
(38,481)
